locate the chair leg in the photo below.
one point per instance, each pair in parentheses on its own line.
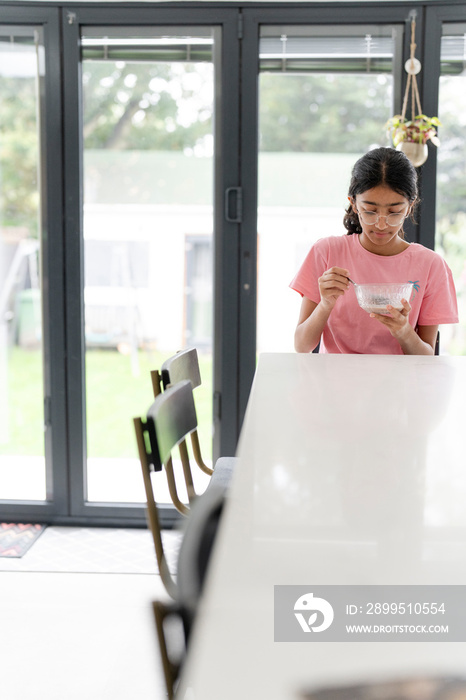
(171,667)
(197,454)
(152,514)
(188,477)
(179,505)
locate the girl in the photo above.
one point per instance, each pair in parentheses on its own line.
(382,194)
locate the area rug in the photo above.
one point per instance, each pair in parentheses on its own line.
(16,538)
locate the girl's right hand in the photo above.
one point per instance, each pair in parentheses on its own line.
(333,284)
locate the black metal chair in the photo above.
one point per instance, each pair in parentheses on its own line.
(169,420)
(194,557)
(184,365)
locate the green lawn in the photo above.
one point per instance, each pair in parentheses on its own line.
(23,429)
(114,397)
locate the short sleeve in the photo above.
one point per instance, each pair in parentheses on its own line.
(305,281)
(439,304)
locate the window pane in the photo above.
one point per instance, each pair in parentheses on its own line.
(322,104)
(450,235)
(22,461)
(148,183)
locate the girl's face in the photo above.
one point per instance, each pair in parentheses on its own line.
(382,212)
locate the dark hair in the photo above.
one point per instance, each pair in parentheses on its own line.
(381,166)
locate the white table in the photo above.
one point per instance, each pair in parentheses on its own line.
(352,470)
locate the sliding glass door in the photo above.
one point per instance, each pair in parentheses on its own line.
(148,155)
(22,447)
(32,411)
(147,116)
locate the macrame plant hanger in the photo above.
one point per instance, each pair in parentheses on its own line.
(412,67)
(416,152)
(410,136)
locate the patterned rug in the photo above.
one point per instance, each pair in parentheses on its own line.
(16,538)
(95,550)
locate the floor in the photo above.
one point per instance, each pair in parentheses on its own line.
(76,616)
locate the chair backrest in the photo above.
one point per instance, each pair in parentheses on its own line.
(183,365)
(180,367)
(171,417)
(196,547)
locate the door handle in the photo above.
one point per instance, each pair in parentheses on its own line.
(234,205)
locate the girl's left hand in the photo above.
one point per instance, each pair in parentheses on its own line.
(397,322)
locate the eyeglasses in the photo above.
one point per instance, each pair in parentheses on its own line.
(371,217)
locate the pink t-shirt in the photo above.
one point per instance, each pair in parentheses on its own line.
(349,328)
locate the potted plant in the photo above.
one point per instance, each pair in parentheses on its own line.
(411,135)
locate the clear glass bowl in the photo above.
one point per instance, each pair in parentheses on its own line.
(374,298)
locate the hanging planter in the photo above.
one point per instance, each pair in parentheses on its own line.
(416,152)
(411,136)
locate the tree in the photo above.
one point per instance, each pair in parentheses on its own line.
(143,106)
(323,112)
(19,194)
(147,106)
